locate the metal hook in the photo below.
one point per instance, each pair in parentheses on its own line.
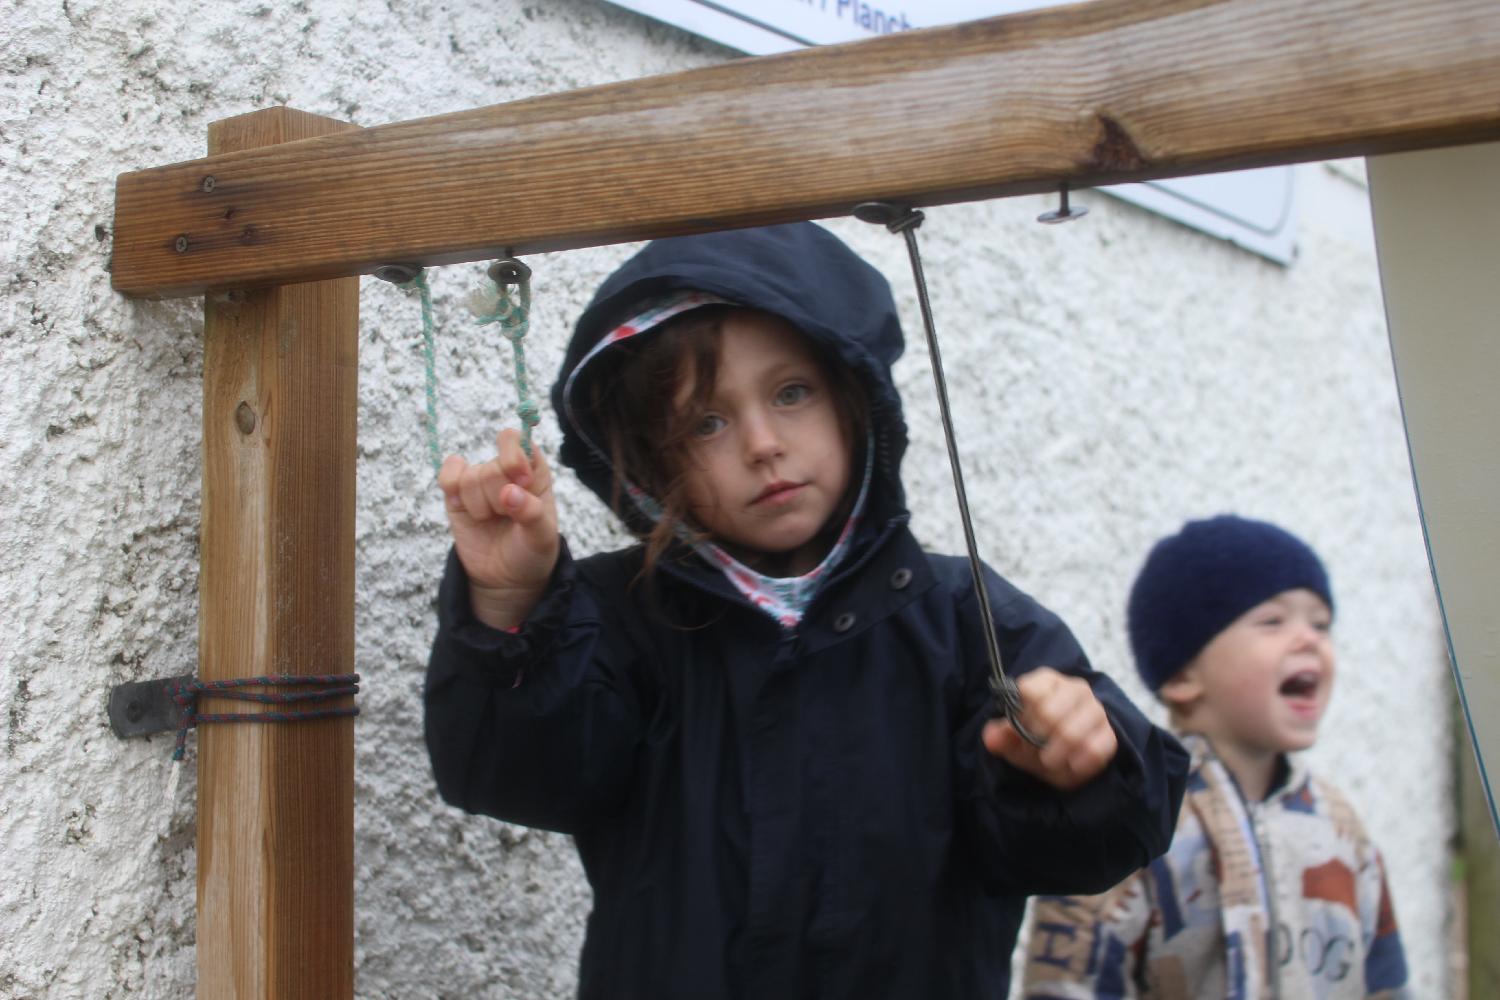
(904,219)
(1063,212)
(896,218)
(509,271)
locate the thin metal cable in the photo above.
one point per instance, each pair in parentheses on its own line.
(905,220)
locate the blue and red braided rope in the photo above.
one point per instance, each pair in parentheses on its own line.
(328,687)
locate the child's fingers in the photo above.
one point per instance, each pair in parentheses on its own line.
(1049,698)
(1092,754)
(1062,711)
(462,486)
(1076,752)
(541,472)
(529,513)
(512,457)
(476,490)
(529,472)
(448,473)
(1000,738)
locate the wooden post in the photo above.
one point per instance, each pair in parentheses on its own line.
(276,800)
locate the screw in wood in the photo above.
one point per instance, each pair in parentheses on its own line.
(396,274)
(894,217)
(208,183)
(181,244)
(1063,212)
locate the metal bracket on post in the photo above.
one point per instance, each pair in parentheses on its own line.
(141,708)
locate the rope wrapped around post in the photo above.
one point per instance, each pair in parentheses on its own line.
(327,687)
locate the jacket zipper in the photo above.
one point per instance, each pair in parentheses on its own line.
(1267,882)
(1268,886)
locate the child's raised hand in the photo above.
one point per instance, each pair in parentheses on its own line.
(1060,710)
(504,523)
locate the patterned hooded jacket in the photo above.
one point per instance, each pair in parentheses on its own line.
(1284,899)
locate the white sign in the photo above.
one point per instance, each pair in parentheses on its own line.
(1255,209)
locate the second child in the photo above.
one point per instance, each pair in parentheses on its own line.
(1272,889)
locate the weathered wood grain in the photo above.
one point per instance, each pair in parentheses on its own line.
(1110,91)
(276,801)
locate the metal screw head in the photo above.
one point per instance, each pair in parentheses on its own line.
(397,274)
(1057,215)
(1064,212)
(509,272)
(208,183)
(879,213)
(181,244)
(134,712)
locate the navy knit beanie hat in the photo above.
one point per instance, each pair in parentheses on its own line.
(1198,581)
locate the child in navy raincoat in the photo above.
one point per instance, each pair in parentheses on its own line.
(768,726)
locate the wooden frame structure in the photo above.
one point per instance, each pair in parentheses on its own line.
(289,207)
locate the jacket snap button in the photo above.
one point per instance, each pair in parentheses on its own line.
(844,622)
(900,578)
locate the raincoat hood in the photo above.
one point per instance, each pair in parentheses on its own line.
(799,272)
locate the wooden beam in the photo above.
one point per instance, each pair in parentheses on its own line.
(1110,91)
(276,801)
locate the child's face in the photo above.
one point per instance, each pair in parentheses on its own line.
(769,460)
(1262,684)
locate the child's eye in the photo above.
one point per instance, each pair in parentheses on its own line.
(791,394)
(1271,621)
(708,426)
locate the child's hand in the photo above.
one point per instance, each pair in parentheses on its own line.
(1062,711)
(504,523)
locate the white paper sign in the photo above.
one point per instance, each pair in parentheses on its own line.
(1255,209)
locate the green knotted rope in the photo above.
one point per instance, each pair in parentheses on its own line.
(496,305)
(429,356)
(493,305)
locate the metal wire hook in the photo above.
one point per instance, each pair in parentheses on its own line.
(904,219)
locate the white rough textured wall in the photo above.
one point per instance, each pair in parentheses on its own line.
(1111,377)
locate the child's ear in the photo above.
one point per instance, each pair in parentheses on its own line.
(1182,689)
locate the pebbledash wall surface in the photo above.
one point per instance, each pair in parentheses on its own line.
(1111,377)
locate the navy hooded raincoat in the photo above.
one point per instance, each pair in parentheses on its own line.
(765,813)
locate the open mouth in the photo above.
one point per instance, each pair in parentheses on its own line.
(1303,684)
